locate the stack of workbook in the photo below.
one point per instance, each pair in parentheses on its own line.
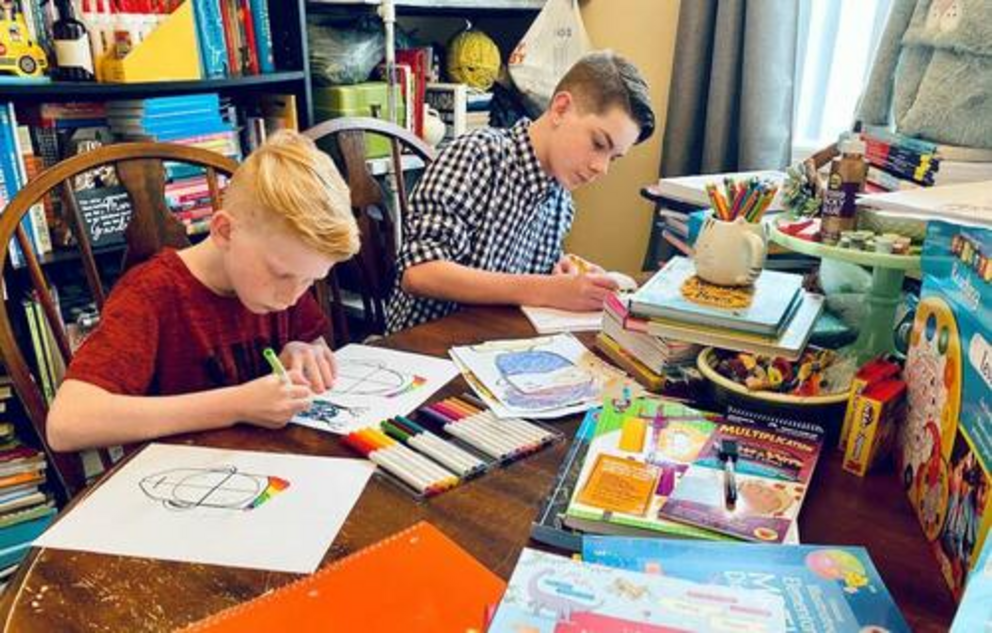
(659,468)
(774,317)
(25,510)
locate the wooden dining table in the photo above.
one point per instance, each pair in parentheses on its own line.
(59,590)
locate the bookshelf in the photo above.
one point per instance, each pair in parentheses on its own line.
(292,74)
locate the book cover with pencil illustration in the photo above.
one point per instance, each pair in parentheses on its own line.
(772,472)
(773,300)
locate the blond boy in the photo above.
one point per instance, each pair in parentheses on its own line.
(180,341)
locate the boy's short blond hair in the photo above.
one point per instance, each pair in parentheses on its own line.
(292,183)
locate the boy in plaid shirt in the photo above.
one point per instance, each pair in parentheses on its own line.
(487,219)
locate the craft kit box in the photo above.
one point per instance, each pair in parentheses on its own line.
(945,443)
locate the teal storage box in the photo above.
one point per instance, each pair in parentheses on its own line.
(366,99)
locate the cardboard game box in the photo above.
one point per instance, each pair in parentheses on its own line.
(945,445)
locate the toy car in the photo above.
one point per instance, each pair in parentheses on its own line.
(19,56)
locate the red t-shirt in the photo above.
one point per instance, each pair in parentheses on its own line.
(162,332)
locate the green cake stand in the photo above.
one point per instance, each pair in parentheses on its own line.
(888,272)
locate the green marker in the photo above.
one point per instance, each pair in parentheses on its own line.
(277,367)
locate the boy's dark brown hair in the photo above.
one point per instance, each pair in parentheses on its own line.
(603,79)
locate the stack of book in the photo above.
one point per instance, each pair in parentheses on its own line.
(657,468)
(25,510)
(651,360)
(193,120)
(776,320)
(898,162)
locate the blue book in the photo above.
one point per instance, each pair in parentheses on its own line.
(14,554)
(826,588)
(24,533)
(188,129)
(776,297)
(975,611)
(177,103)
(554,594)
(263,35)
(210,38)
(10,174)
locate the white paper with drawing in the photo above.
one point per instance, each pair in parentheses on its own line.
(543,377)
(374,384)
(222,507)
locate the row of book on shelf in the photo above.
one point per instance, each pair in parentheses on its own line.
(232,37)
(33,138)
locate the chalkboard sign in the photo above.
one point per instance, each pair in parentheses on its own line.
(106,212)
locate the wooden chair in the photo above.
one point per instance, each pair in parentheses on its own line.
(374,268)
(139,167)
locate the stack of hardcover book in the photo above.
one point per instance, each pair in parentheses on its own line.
(774,317)
(898,162)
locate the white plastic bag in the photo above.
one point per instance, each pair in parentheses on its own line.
(555,41)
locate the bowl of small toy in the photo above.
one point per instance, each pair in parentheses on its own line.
(826,407)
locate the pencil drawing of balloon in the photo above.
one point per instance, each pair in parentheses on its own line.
(223,488)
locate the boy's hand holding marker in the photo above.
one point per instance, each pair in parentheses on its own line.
(578,285)
(272,400)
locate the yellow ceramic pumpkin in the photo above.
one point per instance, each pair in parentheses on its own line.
(473,59)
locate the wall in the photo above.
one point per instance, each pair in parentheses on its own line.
(613,222)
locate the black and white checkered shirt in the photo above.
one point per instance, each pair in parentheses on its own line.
(484,203)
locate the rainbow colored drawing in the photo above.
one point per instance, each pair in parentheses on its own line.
(276,485)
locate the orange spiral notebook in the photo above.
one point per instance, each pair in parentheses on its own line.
(417,580)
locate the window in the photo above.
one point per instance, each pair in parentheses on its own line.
(837,41)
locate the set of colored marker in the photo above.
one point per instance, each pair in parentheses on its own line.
(501,438)
(453,457)
(420,473)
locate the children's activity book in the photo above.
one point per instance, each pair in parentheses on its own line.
(772,474)
(637,454)
(944,454)
(214,506)
(775,298)
(825,588)
(375,384)
(543,377)
(554,594)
